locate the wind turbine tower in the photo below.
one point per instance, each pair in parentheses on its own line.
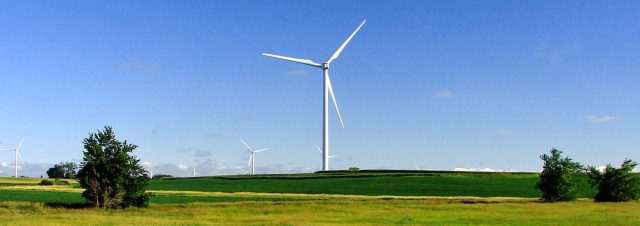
(252,156)
(17,155)
(327,89)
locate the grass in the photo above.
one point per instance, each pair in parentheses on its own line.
(408,183)
(336,198)
(332,212)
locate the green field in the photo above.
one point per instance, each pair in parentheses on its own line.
(409,183)
(365,197)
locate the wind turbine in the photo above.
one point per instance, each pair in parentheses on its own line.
(319,150)
(194,172)
(252,156)
(17,155)
(417,167)
(327,90)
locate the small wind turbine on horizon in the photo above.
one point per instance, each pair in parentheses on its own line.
(17,155)
(194,172)
(252,156)
(417,167)
(327,90)
(320,150)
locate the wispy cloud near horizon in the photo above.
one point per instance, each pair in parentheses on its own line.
(592,119)
(444,94)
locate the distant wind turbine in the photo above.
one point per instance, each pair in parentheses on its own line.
(195,174)
(417,167)
(327,90)
(252,156)
(17,155)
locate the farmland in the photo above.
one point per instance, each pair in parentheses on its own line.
(319,199)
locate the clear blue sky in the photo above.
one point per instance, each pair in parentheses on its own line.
(443,84)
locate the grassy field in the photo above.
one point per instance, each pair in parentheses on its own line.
(408,183)
(332,212)
(363,198)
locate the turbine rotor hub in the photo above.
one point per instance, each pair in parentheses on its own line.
(325,66)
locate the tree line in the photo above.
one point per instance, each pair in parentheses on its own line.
(561,176)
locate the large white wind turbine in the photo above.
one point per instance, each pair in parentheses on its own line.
(327,90)
(17,155)
(252,156)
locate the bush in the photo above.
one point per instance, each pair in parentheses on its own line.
(558,178)
(615,184)
(354,168)
(160,176)
(111,177)
(46,182)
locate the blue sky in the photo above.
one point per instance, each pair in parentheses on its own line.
(447,84)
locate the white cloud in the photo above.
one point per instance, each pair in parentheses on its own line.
(201,154)
(140,65)
(600,119)
(504,133)
(555,54)
(298,72)
(464,169)
(183,166)
(444,94)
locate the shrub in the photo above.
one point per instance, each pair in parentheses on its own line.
(354,168)
(110,176)
(558,178)
(615,184)
(46,182)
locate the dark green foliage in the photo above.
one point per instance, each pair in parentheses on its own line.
(559,178)
(353,168)
(160,176)
(63,170)
(111,177)
(46,182)
(53,182)
(615,184)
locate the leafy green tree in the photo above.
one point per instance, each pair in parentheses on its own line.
(57,171)
(615,184)
(559,177)
(111,177)
(63,170)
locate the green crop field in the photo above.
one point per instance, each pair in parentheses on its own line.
(365,197)
(409,183)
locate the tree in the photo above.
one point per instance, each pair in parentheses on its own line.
(57,171)
(558,178)
(615,184)
(63,170)
(111,177)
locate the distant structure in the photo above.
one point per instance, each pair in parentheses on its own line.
(252,156)
(195,174)
(320,150)
(17,156)
(327,90)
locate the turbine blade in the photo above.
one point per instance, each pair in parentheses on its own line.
(6,149)
(337,53)
(250,158)
(20,157)
(302,61)
(264,149)
(246,145)
(318,148)
(335,104)
(20,144)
